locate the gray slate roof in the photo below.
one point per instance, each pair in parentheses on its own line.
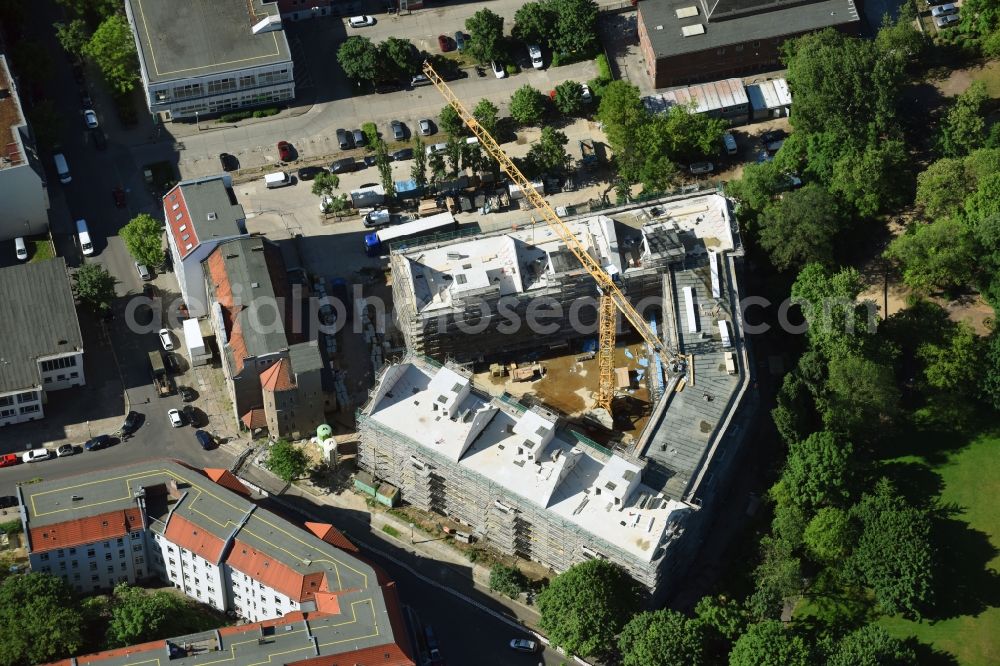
(180,39)
(37,318)
(767,23)
(213,208)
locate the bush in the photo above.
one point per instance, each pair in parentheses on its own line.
(556,60)
(391,531)
(603,68)
(264,113)
(10,527)
(236,116)
(507,580)
(512,70)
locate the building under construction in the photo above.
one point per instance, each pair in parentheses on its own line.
(464,299)
(522,479)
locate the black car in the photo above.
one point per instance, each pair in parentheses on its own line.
(344,166)
(97,443)
(204,439)
(131,423)
(309,172)
(344,139)
(190,415)
(187,393)
(370,160)
(403,154)
(173,363)
(228,162)
(100,141)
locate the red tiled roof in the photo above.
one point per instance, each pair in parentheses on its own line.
(255,418)
(227,480)
(218,276)
(389,654)
(70,533)
(264,568)
(328,602)
(278,377)
(175,197)
(195,538)
(332,536)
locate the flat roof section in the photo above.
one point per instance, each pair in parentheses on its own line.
(181,39)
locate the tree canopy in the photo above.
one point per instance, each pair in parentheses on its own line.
(486,41)
(507,580)
(871,645)
(143,237)
(801,227)
(548,154)
(569,98)
(584,608)
(450,122)
(664,638)
(964,126)
(138,615)
(534,23)
(400,57)
(94,286)
(770,643)
(325,183)
(486,114)
(359,58)
(817,472)
(112,48)
(41,620)
(287,460)
(939,255)
(527,106)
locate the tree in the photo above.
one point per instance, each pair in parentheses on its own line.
(685,135)
(437,166)
(507,580)
(400,57)
(143,237)
(829,305)
(138,616)
(534,23)
(95,287)
(622,113)
(527,105)
(800,228)
(576,26)
(569,98)
(871,645)
(817,473)
(359,58)
(42,620)
(829,536)
(871,178)
(486,114)
(940,255)
(777,578)
(485,35)
(770,643)
(861,394)
(942,187)
(548,154)
(325,183)
(418,172)
(450,122)
(112,48)
(453,153)
(980,17)
(664,638)
(287,461)
(723,616)
(955,366)
(894,556)
(94,9)
(73,36)
(964,126)
(991,371)
(384,165)
(584,608)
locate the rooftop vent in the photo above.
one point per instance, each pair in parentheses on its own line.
(255,284)
(686,12)
(692,30)
(212,216)
(269,24)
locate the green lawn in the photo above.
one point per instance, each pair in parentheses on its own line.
(40,249)
(970,479)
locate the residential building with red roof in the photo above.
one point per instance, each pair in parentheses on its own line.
(200,531)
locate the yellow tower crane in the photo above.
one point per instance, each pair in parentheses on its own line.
(612,298)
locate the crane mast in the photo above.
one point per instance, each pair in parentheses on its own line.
(612,299)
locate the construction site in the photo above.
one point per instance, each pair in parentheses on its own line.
(493,426)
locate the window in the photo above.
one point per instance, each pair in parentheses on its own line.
(137,548)
(29,396)
(59,363)
(756,44)
(212,589)
(90,552)
(111,568)
(221,86)
(95,578)
(739,47)
(7,412)
(139,560)
(44,557)
(29,409)
(46,568)
(121,553)
(48,380)
(138,573)
(170,549)
(107,544)
(173,562)
(121,542)
(6,401)
(135,536)
(76,576)
(123,567)
(107,556)
(93,566)
(75,564)
(72,551)
(62,566)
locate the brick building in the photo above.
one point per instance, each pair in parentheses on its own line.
(686,41)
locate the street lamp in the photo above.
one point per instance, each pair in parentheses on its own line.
(411,533)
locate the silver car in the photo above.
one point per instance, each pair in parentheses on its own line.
(426,129)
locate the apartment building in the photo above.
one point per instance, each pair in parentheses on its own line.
(41,347)
(690,41)
(201,531)
(195,62)
(200,213)
(22,178)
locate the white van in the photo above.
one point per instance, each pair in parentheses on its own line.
(62,169)
(86,246)
(21,249)
(279,179)
(729,141)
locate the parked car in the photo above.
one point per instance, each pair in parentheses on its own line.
(370,160)
(143,272)
(9,460)
(187,393)
(175,418)
(426,128)
(90,118)
(228,162)
(383,87)
(523,645)
(285,151)
(65,450)
(436,148)
(97,443)
(131,423)
(359,137)
(377,218)
(445,44)
(20,249)
(403,154)
(100,141)
(498,70)
(36,455)
(701,167)
(309,172)
(535,53)
(190,415)
(173,363)
(88,103)
(344,139)
(360,21)
(344,166)
(585,94)
(118,195)
(420,80)
(460,40)
(166,340)
(398,130)
(945,21)
(204,439)
(945,10)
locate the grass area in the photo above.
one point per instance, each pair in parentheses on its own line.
(969,486)
(40,249)
(990,75)
(391,531)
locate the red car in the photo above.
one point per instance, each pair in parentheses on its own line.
(445,43)
(285,151)
(9,460)
(119,196)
